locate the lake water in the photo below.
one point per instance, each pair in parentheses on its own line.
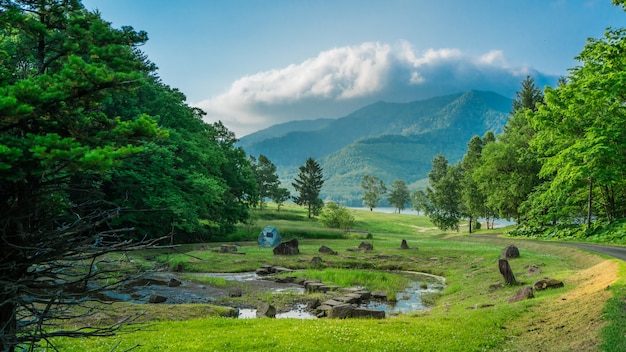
(497,224)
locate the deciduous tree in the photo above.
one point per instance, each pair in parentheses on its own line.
(419,201)
(399,195)
(444,195)
(266,178)
(508,171)
(582,136)
(373,188)
(280,195)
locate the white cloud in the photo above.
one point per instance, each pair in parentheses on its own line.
(340,80)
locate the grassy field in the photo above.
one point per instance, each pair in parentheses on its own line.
(471,314)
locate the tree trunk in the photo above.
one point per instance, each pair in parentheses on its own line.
(589,201)
(470,224)
(8,324)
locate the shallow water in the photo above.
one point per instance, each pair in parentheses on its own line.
(299,312)
(407,301)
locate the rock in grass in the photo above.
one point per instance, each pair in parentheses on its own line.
(523,293)
(266,310)
(510,251)
(327,250)
(366,246)
(547,283)
(287,248)
(507,273)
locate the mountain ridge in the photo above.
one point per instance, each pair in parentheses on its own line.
(388,140)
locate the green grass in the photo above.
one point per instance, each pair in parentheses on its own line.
(367,279)
(398,334)
(213,281)
(469,266)
(615,313)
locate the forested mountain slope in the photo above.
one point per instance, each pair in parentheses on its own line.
(389,140)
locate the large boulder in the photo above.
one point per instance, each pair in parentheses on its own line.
(266,310)
(523,293)
(509,251)
(287,248)
(344,311)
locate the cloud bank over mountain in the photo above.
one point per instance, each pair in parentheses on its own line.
(343,79)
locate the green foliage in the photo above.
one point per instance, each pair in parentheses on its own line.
(444,206)
(308,184)
(509,169)
(399,195)
(336,216)
(472,199)
(193,185)
(600,232)
(266,178)
(419,201)
(582,137)
(373,190)
(58,145)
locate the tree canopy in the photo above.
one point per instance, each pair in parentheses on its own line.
(443,194)
(95,153)
(559,163)
(61,64)
(399,195)
(373,190)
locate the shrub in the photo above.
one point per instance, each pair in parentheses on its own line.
(336,216)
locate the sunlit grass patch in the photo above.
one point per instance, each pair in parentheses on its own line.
(209,280)
(468,315)
(367,279)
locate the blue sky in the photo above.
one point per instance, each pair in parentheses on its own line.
(255,63)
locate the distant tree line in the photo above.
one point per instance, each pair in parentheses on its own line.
(374,189)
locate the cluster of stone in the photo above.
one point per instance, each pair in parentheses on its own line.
(525,292)
(348,305)
(268,269)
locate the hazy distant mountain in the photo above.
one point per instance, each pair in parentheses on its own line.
(388,140)
(277,131)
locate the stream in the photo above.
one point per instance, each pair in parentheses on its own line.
(407,301)
(190,291)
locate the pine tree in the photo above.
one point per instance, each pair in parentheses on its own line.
(60,63)
(308,184)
